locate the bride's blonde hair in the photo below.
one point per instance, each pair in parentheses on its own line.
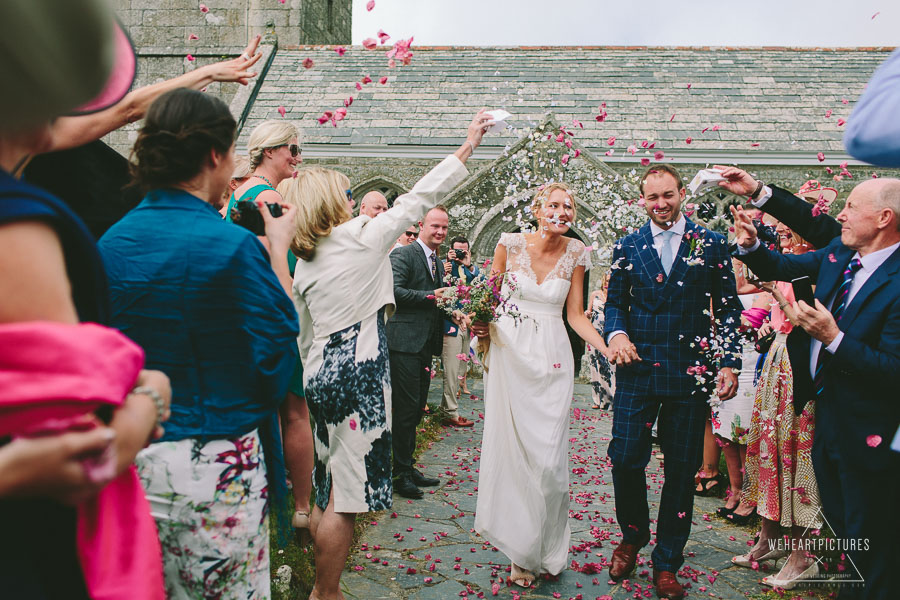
(320,196)
(543,194)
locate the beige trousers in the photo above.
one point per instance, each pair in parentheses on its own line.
(453,369)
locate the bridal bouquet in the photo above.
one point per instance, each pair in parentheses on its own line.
(484,299)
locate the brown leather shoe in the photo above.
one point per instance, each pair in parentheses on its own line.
(667,585)
(459,422)
(623,559)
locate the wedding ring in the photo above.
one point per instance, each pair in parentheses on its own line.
(244,56)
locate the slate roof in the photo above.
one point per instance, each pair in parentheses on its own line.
(774,97)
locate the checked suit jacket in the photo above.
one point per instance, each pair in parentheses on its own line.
(417,323)
(862,378)
(666,317)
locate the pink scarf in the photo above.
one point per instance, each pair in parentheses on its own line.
(52,375)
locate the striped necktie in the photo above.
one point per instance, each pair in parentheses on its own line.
(434,269)
(837,310)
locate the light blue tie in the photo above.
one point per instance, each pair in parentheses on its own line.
(666,256)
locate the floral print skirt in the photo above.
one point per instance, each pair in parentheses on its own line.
(778,471)
(209,500)
(348,391)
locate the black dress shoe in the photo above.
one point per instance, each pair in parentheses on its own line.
(404,486)
(419,479)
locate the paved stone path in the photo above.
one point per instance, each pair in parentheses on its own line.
(427,549)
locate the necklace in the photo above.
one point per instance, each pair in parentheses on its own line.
(266,180)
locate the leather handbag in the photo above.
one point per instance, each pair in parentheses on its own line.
(764,343)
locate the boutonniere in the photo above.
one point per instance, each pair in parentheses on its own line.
(698,244)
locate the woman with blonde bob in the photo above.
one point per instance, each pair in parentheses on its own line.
(343,285)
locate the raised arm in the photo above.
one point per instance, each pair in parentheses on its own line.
(70,132)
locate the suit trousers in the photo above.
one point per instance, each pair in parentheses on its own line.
(410,378)
(680,426)
(861,503)
(453,369)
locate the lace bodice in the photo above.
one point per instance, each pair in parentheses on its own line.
(519,261)
(550,294)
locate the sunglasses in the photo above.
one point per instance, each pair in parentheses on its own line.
(349,194)
(294,148)
(411,234)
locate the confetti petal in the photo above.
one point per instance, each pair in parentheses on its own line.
(281,110)
(370,5)
(340,50)
(873,441)
(204,8)
(370,43)
(307,63)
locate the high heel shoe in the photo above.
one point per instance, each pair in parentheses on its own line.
(744,560)
(300,522)
(724,511)
(811,572)
(741,519)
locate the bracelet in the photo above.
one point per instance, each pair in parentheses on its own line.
(146,390)
(759,186)
(471,145)
(782,305)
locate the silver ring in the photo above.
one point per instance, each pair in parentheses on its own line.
(244,56)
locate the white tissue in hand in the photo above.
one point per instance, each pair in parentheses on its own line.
(704,180)
(499,117)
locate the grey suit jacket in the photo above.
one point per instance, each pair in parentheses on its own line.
(416,322)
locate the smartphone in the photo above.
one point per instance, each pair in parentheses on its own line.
(803,290)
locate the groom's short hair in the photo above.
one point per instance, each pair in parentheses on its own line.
(659,170)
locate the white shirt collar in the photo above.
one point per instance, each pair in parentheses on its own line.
(428,251)
(873,260)
(677,228)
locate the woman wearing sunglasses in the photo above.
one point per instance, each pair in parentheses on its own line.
(274,151)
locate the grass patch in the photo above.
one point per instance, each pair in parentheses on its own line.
(302,561)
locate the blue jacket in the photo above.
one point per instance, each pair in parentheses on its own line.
(665,317)
(873,129)
(862,377)
(200,297)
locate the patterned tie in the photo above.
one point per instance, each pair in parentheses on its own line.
(837,310)
(666,256)
(434,269)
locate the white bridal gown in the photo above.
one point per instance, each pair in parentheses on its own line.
(523,484)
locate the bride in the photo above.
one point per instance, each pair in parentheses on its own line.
(523,487)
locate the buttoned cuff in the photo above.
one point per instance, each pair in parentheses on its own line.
(614,334)
(764,196)
(833,346)
(742,251)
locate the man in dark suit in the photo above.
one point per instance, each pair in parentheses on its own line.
(665,278)
(851,339)
(414,335)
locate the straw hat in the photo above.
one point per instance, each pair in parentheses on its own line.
(812,190)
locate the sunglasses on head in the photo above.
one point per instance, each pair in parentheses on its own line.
(411,234)
(294,148)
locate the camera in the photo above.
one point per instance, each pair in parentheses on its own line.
(246,214)
(460,254)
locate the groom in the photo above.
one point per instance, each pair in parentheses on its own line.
(665,278)
(414,335)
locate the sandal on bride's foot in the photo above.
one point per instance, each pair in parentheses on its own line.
(521,577)
(300,522)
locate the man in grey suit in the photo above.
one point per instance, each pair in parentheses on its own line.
(414,335)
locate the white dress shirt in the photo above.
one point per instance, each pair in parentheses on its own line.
(674,243)
(429,255)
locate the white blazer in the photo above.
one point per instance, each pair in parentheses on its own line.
(350,276)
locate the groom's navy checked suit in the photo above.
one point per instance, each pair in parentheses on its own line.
(665,317)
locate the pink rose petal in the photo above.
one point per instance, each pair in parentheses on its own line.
(281,110)
(383,80)
(340,50)
(370,43)
(307,63)
(873,441)
(190,58)
(353,424)
(820,156)
(370,5)
(204,8)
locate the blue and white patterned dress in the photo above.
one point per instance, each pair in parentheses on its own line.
(348,391)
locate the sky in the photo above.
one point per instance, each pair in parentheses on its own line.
(809,23)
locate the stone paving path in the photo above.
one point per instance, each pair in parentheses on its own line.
(428,549)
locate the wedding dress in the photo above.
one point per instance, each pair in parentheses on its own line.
(523,485)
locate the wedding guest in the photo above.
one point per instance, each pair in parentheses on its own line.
(343,286)
(457,267)
(408,236)
(202,298)
(241,173)
(850,337)
(779,482)
(373,204)
(69,496)
(602,373)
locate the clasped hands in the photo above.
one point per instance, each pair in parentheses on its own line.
(622,352)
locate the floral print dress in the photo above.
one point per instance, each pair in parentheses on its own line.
(348,391)
(210,502)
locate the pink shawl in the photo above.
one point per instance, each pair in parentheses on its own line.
(51,376)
